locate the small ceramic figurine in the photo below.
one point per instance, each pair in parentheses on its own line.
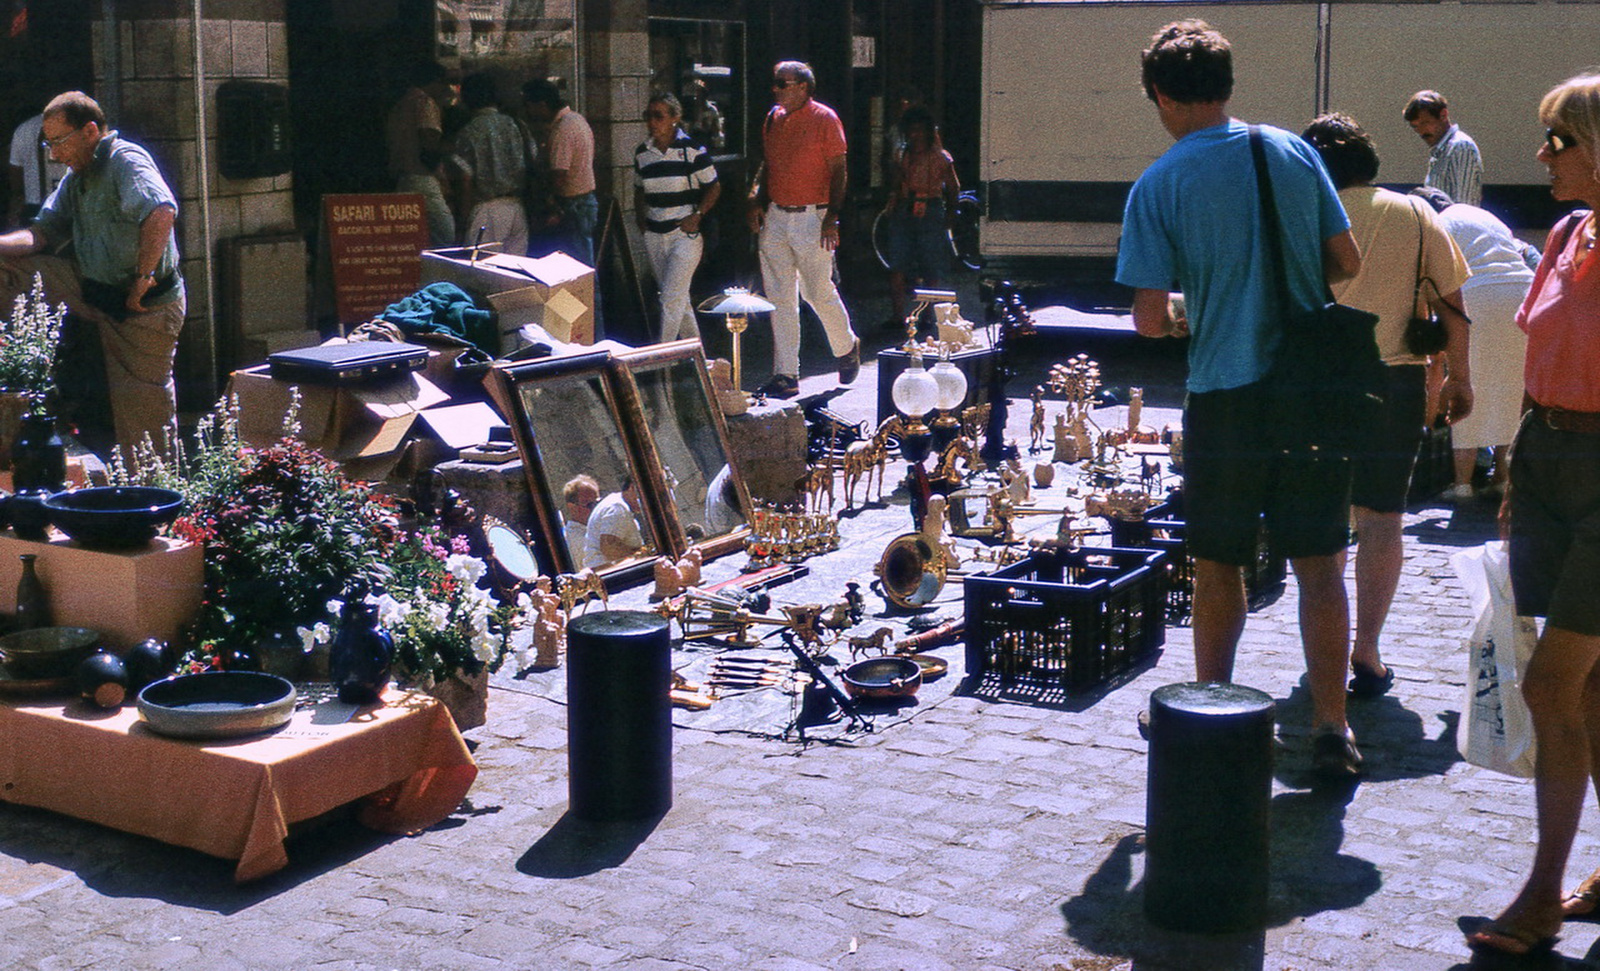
(669,579)
(1067,449)
(1036,422)
(1044,473)
(954,330)
(549,625)
(689,568)
(1135,410)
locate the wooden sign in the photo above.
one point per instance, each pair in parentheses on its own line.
(375,243)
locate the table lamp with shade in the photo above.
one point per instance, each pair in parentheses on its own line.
(952,383)
(736,304)
(915,393)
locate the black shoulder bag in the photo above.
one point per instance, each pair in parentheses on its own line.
(1425,333)
(1327,382)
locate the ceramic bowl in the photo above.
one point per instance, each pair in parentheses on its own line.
(113,517)
(217,704)
(890,676)
(46,652)
(932,667)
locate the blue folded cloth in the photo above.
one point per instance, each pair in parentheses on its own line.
(445,308)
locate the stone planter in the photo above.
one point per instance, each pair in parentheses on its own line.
(465,696)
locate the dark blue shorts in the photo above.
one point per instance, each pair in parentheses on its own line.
(1233,481)
(919,246)
(1555,526)
(1380,474)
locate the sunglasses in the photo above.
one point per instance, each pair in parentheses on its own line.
(1556,142)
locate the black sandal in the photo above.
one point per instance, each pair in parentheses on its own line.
(1369,684)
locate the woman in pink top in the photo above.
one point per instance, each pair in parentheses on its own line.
(1552,515)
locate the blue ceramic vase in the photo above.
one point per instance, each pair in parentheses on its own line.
(362,652)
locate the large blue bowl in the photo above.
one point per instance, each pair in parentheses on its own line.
(113,517)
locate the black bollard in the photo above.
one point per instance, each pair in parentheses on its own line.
(1207,807)
(619,717)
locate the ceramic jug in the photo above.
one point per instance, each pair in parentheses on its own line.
(361,654)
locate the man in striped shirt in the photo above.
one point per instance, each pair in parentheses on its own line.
(675,185)
(1454,165)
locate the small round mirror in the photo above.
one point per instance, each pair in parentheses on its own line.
(512,552)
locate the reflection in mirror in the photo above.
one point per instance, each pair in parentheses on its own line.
(707,495)
(592,496)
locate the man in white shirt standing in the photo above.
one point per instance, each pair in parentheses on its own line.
(1454,164)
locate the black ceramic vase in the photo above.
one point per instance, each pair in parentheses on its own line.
(361,654)
(33,603)
(39,458)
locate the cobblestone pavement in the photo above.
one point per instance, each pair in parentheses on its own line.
(976,835)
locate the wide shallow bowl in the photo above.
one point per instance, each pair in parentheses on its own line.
(46,652)
(113,517)
(933,667)
(890,676)
(217,704)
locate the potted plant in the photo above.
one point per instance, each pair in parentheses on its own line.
(449,632)
(28,342)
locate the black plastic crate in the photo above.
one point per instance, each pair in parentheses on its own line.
(1162,528)
(1073,618)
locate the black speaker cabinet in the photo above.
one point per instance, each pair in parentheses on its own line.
(253,129)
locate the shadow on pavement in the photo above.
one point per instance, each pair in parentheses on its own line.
(117,864)
(576,847)
(1309,875)
(1392,738)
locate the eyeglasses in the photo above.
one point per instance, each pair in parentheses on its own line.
(55,143)
(1556,142)
(779,84)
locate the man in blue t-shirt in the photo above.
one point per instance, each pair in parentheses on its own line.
(1193,221)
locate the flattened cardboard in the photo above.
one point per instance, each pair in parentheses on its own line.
(462,426)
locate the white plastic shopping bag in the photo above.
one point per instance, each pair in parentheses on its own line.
(1496,731)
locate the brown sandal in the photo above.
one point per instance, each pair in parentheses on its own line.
(1584,902)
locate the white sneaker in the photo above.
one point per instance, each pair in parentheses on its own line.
(1460,492)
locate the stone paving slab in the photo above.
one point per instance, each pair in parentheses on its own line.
(978,835)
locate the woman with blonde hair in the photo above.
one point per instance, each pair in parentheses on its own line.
(1552,516)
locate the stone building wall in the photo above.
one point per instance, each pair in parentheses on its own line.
(155,100)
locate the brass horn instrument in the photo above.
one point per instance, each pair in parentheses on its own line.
(912,571)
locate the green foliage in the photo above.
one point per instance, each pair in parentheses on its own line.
(28,341)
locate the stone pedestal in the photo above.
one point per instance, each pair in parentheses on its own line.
(769,446)
(499,490)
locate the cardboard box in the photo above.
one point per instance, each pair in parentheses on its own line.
(556,291)
(342,423)
(126,595)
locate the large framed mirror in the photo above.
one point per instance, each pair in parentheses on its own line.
(706,505)
(592,492)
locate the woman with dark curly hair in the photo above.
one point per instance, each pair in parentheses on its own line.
(1400,240)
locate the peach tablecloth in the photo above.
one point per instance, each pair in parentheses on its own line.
(236,798)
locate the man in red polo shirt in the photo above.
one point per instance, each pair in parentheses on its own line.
(795,201)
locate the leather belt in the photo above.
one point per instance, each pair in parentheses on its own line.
(820,205)
(1562,420)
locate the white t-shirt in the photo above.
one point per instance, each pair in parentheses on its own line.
(611,517)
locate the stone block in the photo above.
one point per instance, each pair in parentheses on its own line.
(500,491)
(769,446)
(250,54)
(217,38)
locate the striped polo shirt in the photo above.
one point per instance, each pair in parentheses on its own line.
(673,180)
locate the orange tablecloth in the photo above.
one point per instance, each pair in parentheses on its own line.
(235,798)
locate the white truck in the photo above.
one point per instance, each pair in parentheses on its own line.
(1066,127)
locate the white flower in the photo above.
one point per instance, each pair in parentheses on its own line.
(465,568)
(485,646)
(335,608)
(310,637)
(392,612)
